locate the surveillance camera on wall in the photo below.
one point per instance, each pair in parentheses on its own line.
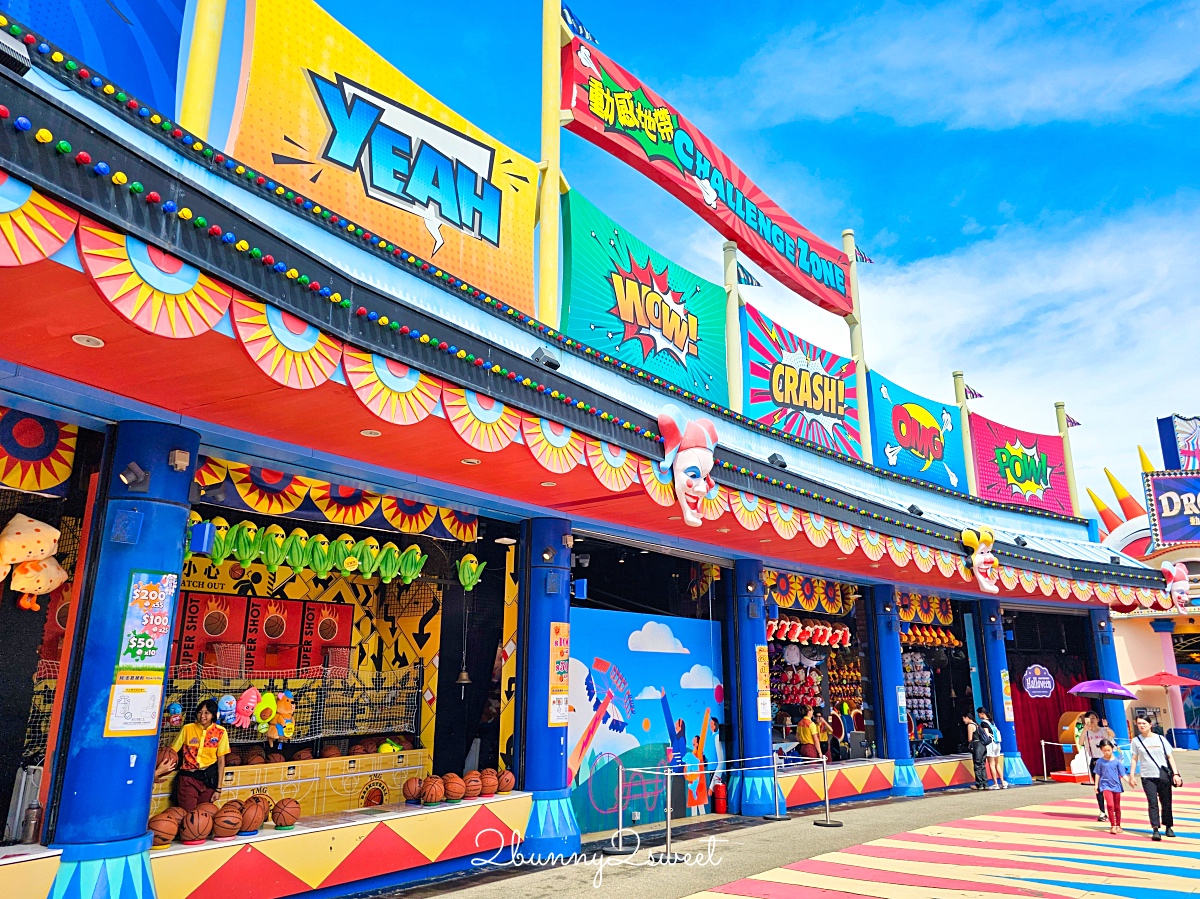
(548,358)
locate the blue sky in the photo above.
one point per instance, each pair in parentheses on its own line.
(1024,177)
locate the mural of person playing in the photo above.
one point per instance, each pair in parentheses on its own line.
(677,732)
(718,772)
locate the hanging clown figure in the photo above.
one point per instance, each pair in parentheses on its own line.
(982,561)
(1177,583)
(689,449)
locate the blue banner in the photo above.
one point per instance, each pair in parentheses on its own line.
(916,436)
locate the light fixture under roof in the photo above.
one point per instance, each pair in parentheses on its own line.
(506,541)
(549,483)
(371,432)
(470,461)
(88,341)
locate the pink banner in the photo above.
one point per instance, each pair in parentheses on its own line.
(1014,466)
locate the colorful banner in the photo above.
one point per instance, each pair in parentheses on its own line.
(1171,499)
(325,114)
(1180,439)
(1014,466)
(615,111)
(915,436)
(623,298)
(797,387)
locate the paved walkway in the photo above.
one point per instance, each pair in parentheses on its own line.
(1056,850)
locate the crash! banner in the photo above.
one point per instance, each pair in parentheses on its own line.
(625,299)
(1014,466)
(326,115)
(797,387)
(915,436)
(616,112)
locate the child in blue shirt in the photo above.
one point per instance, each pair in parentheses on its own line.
(1109,771)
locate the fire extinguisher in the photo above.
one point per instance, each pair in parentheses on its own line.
(720,801)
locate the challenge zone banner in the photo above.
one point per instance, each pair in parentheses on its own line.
(797,387)
(1019,467)
(615,111)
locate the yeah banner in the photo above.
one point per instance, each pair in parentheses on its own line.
(633,303)
(615,111)
(797,387)
(915,436)
(1019,467)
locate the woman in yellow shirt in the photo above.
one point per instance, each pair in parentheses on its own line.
(200,750)
(806,734)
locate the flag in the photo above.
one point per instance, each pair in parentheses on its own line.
(861,256)
(972,393)
(744,277)
(576,27)
(1072,423)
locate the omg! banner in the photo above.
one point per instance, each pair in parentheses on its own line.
(916,436)
(1014,466)
(797,387)
(615,111)
(633,303)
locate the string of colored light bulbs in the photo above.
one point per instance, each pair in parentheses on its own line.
(164,129)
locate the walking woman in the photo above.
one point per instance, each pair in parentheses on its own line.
(978,750)
(994,754)
(1154,763)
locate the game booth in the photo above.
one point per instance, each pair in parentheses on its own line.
(468,563)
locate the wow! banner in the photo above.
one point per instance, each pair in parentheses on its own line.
(622,297)
(615,111)
(797,387)
(915,436)
(1014,466)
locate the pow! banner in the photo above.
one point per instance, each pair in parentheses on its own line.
(633,303)
(1014,466)
(797,387)
(615,111)
(325,114)
(915,436)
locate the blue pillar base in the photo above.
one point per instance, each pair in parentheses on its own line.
(1015,771)
(119,870)
(756,800)
(905,781)
(1183,738)
(552,828)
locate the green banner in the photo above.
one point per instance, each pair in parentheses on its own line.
(626,300)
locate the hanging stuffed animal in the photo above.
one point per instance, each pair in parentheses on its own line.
(283,725)
(247,702)
(28,547)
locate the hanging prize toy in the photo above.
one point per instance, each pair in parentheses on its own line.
(247,702)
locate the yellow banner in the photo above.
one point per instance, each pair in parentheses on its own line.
(325,114)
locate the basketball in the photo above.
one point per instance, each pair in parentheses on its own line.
(166,755)
(232,760)
(507,781)
(432,792)
(286,813)
(273,757)
(164,829)
(369,746)
(488,783)
(330,752)
(208,807)
(196,827)
(454,787)
(226,823)
(302,756)
(474,784)
(252,817)
(260,799)
(255,760)
(175,813)
(412,788)
(233,803)
(357,749)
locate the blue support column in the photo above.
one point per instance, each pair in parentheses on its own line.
(552,828)
(752,790)
(999,690)
(102,800)
(1106,665)
(905,780)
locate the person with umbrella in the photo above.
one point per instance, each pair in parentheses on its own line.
(1154,763)
(1096,729)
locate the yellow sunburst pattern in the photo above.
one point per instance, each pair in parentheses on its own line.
(289,350)
(484,423)
(33,226)
(396,392)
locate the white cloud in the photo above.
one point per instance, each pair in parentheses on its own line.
(972,65)
(649,693)
(698,677)
(655,637)
(970,226)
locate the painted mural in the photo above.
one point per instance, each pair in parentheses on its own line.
(916,436)
(647,690)
(1014,466)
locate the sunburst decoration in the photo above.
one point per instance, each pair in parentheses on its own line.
(210,471)
(1145,597)
(1082,590)
(289,350)
(925,609)
(343,505)
(157,292)
(944,561)
(614,466)
(1106,593)
(1045,583)
(461,525)
(407,515)
(872,544)
(714,504)
(960,565)
(556,447)
(832,601)
(899,549)
(923,556)
(808,595)
(784,587)
(784,519)
(748,509)
(266,490)
(1062,585)
(1027,580)
(1163,598)
(1126,598)
(906,607)
(396,392)
(1008,577)
(659,484)
(484,423)
(845,536)
(34,227)
(943,611)
(36,454)
(817,528)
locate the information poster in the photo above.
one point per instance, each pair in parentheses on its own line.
(560,673)
(764,683)
(902,705)
(135,699)
(1009,716)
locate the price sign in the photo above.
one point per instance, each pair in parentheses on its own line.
(135,700)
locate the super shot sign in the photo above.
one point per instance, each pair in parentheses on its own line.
(1174,499)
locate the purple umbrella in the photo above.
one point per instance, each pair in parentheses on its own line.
(1101,689)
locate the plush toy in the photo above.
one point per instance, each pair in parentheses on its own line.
(30,545)
(175,714)
(283,725)
(35,578)
(226,709)
(264,712)
(688,447)
(771,626)
(247,702)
